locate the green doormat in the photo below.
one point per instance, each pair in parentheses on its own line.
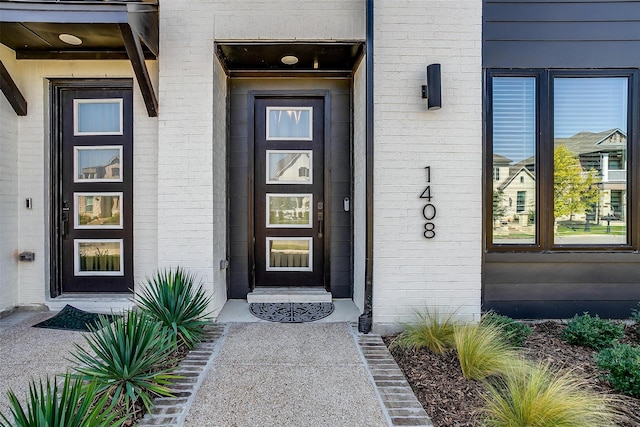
(73,319)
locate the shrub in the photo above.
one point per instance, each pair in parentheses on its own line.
(129,362)
(635,316)
(622,364)
(430,330)
(75,405)
(538,396)
(482,350)
(515,332)
(172,298)
(591,331)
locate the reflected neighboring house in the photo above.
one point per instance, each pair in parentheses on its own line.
(602,152)
(292,167)
(109,171)
(518,194)
(605,153)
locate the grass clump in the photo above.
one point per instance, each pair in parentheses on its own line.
(482,350)
(515,332)
(429,330)
(128,360)
(592,331)
(172,298)
(539,396)
(76,404)
(622,366)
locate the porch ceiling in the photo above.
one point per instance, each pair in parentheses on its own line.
(115,29)
(337,58)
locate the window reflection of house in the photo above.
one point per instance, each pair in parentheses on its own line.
(109,171)
(292,167)
(606,154)
(603,152)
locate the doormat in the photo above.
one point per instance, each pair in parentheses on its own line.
(73,319)
(291,312)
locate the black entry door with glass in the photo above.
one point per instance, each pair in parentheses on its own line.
(94,230)
(289,192)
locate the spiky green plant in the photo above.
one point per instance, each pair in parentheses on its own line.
(128,359)
(482,350)
(430,330)
(75,405)
(172,298)
(539,396)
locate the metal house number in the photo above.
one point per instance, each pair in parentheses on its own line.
(428,210)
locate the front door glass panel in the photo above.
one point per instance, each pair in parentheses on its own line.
(97,163)
(98,257)
(289,210)
(97,117)
(289,123)
(289,253)
(289,167)
(98,210)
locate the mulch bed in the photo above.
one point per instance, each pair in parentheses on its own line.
(452,400)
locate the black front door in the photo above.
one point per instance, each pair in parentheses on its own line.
(289,191)
(93,238)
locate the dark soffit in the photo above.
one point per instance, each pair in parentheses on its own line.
(31,28)
(259,58)
(110,29)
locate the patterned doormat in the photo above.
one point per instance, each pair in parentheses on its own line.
(291,312)
(73,319)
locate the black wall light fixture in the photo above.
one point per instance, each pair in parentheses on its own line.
(432,91)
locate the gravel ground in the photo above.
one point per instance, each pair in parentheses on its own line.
(32,353)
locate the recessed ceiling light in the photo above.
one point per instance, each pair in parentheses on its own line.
(289,60)
(70,39)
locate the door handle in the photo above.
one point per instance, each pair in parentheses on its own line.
(64,219)
(320,224)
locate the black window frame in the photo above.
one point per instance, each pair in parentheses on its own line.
(544,146)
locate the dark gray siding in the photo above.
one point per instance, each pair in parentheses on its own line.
(239,170)
(561,34)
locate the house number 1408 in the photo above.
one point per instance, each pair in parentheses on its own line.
(428,210)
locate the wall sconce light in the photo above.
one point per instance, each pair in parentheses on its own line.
(432,91)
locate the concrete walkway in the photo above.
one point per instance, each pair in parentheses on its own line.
(247,374)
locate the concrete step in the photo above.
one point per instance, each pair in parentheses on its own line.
(310,294)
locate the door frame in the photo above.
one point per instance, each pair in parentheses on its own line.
(56,87)
(325,95)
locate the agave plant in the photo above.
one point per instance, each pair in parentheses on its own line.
(75,405)
(128,359)
(172,298)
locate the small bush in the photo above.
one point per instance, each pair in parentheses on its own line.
(430,331)
(592,331)
(172,299)
(635,316)
(75,405)
(622,364)
(128,359)
(482,350)
(538,396)
(515,332)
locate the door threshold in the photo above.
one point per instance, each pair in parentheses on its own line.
(96,303)
(285,294)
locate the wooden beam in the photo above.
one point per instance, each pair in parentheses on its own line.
(136,56)
(11,92)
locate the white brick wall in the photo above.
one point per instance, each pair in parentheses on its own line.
(8,194)
(412,273)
